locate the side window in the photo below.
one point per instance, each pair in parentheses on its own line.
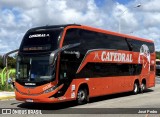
(71,37)
(95,40)
(151,47)
(93,69)
(137,45)
(88,39)
(116,42)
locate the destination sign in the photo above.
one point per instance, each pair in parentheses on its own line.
(38,35)
(36,48)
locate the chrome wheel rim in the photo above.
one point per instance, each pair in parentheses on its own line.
(135,88)
(81,95)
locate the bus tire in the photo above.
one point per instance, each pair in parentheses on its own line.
(143,87)
(82,96)
(136,88)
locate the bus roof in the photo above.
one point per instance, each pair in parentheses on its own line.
(52,26)
(92,29)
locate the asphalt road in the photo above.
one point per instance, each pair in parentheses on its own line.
(116,105)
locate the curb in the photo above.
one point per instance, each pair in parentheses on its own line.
(7,98)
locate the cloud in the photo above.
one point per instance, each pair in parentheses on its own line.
(125,18)
(151,19)
(151,5)
(25,5)
(18,16)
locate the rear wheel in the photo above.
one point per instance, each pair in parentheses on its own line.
(136,88)
(82,96)
(143,87)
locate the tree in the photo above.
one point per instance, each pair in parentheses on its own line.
(11,62)
(157,55)
(1,62)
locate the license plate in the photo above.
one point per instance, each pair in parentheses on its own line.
(29,100)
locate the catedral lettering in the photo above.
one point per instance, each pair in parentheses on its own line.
(117,57)
(76,62)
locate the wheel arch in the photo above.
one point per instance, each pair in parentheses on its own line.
(137,81)
(144,81)
(83,85)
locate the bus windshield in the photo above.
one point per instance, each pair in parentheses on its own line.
(34,69)
(40,41)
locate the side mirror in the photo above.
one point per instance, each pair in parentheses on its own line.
(6,55)
(54,54)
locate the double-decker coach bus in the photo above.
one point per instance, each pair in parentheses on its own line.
(75,62)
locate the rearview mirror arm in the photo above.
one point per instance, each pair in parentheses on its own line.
(54,54)
(6,55)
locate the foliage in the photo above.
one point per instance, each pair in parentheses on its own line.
(11,62)
(5,88)
(1,62)
(157,55)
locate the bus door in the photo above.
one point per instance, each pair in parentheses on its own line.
(69,60)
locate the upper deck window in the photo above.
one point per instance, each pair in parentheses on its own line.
(42,41)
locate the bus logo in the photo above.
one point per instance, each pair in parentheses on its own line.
(96,56)
(117,57)
(144,56)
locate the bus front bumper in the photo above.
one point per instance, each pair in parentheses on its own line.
(42,98)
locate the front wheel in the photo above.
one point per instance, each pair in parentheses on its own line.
(136,88)
(82,96)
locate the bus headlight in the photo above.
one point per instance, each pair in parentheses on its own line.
(50,89)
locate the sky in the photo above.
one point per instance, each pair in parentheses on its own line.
(17,16)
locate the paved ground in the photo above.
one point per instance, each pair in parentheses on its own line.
(158,80)
(149,100)
(6,95)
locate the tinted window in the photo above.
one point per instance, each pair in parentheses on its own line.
(71,37)
(94,40)
(40,41)
(151,47)
(136,45)
(109,69)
